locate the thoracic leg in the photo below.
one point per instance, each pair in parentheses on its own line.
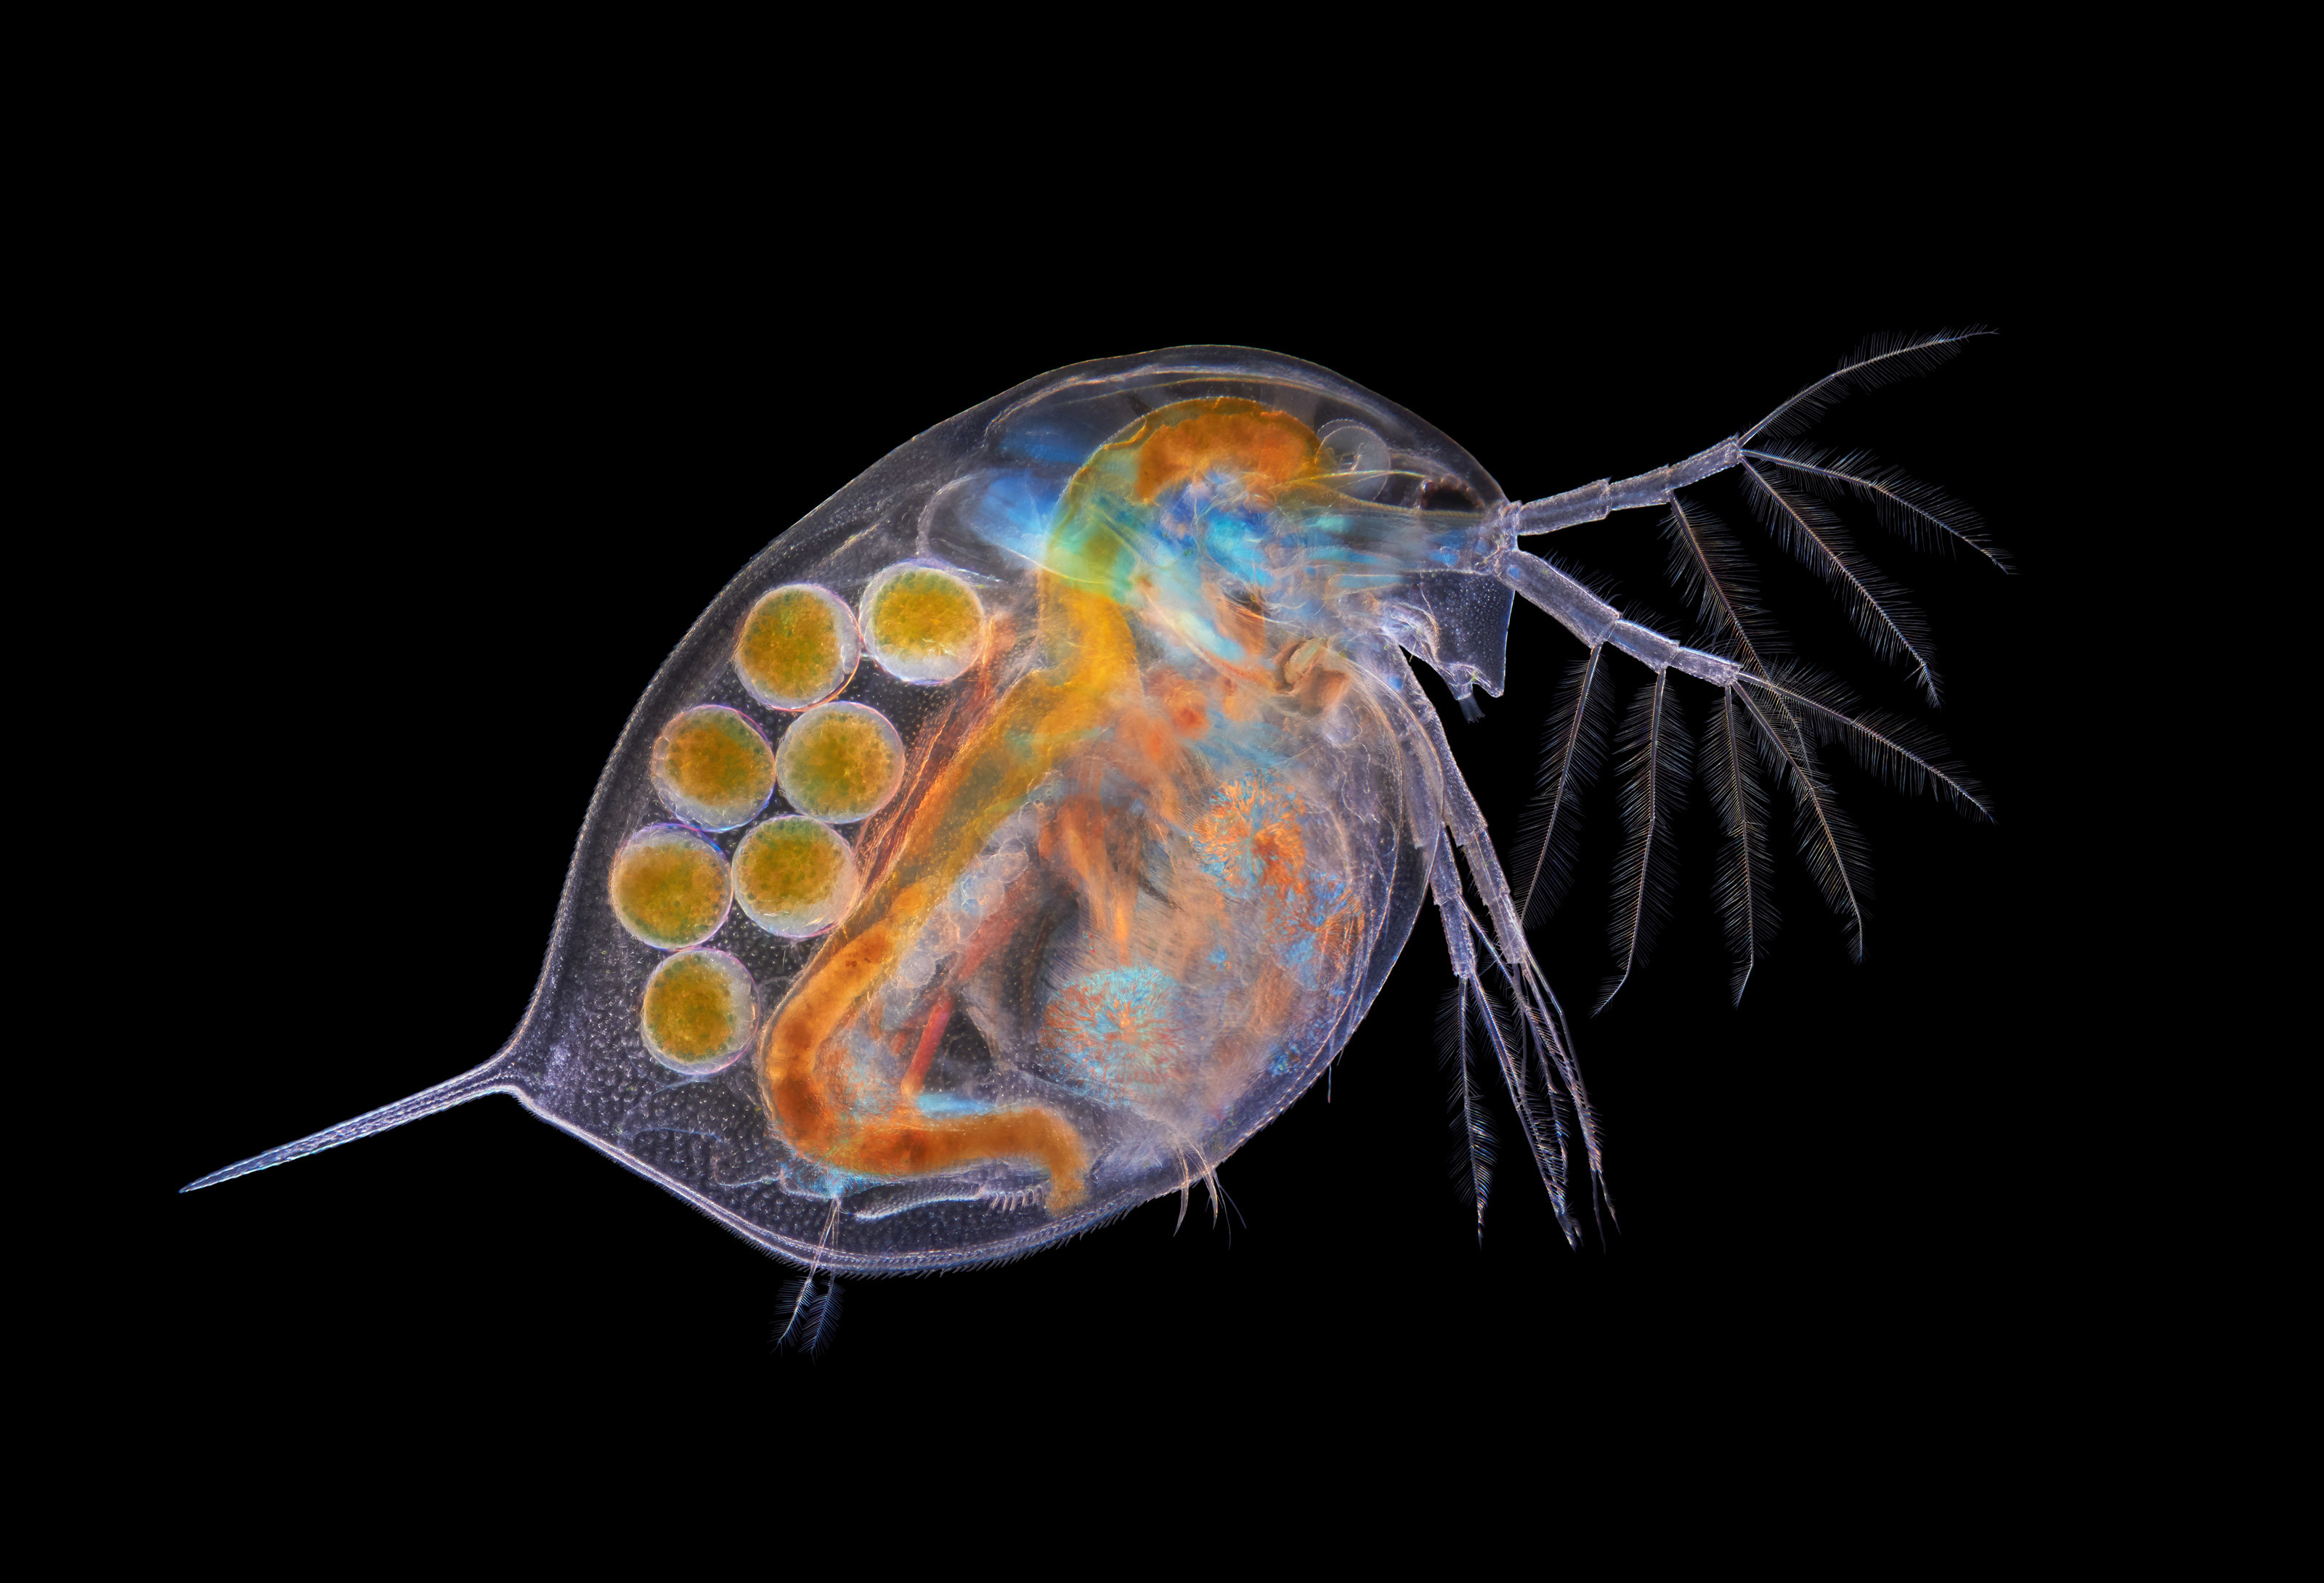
(1529,989)
(1535,1101)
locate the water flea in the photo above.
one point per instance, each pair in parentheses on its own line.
(1178,804)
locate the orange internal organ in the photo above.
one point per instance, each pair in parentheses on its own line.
(1034,724)
(1265,449)
(1089,682)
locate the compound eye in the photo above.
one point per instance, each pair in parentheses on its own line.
(1360,463)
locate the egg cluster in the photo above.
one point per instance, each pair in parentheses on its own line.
(793,874)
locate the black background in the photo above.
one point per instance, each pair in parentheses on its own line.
(467,469)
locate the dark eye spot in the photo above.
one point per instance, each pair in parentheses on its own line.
(1449,494)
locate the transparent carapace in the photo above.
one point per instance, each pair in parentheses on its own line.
(1033,821)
